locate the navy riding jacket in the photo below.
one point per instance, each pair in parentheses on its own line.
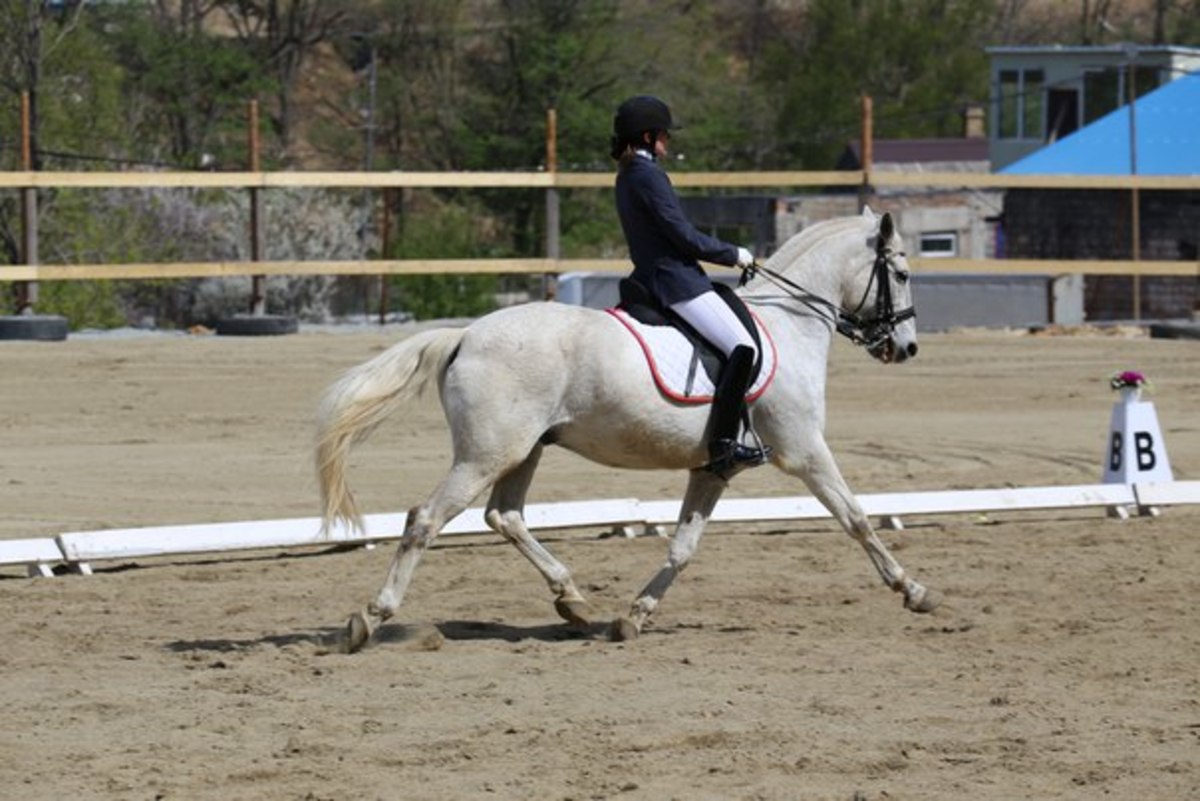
(663,243)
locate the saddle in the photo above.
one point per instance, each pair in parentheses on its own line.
(638,309)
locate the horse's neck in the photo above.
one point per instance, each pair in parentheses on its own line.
(797,333)
(819,258)
(817,261)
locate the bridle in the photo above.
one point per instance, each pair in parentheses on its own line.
(870,332)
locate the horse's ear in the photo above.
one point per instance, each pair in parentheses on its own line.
(867,214)
(887,228)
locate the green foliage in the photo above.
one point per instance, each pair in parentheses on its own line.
(1183,23)
(105,227)
(187,89)
(80,104)
(442,232)
(85,304)
(920,61)
(589,225)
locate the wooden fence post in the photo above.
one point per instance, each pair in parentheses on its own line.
(550,280)
(867,143)
(257,322)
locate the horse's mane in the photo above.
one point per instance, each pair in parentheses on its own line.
(810,238)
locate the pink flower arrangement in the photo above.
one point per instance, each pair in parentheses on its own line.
(1128,379)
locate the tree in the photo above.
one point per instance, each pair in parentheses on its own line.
(29,34)
(279,34)
(919,60)
(73,90)
(184,83)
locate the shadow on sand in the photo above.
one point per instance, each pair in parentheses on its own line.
(415,636)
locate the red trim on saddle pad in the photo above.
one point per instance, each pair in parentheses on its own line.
(666,370)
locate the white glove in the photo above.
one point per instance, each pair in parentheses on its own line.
(744,258)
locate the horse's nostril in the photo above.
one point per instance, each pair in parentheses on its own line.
(912,349)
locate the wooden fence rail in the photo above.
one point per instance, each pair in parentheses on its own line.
(26,180)
(229,269)
(22,179)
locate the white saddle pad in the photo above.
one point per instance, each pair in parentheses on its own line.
(675,364)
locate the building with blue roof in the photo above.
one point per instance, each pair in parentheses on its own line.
(1042,94)
(1073,224)
(1164,123)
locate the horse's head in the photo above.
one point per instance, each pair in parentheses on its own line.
(879,299)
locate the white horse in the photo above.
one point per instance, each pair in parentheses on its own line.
(528,376)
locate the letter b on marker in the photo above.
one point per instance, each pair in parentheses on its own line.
(1143,442)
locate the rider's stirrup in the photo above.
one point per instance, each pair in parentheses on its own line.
(730,457)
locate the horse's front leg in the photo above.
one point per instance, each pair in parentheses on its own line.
(703,491)
(820,473)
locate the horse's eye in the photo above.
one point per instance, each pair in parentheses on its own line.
(902,276)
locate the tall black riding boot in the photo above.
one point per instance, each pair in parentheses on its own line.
(726,453)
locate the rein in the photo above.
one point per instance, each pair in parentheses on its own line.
(869,333)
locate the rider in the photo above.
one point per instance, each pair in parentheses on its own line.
(665,248)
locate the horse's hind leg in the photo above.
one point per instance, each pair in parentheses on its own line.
(703,491)
(505,514)
(456,491)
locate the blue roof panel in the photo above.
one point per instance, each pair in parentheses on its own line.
(1168,139)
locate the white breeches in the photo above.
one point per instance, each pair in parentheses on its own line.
(715,321)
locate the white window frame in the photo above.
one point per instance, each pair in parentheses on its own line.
(939,236)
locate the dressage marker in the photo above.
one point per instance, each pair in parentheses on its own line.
(1137,452)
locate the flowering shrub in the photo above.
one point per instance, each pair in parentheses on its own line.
(1128,379)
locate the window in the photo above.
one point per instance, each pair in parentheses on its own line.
(1104,91)
(1101,93)
(1033,99)
(939,245)
(1020,103)
(1010,98)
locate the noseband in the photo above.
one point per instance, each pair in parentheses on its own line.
(870,332)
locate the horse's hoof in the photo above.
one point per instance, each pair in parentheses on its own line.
(623,630)
(923,602)
(358,632)
(574,612)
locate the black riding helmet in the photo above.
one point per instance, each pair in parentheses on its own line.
(637,115)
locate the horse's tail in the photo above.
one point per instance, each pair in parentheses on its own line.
(361,399)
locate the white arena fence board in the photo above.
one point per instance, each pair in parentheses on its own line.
(1168,494)
(37,554)
(130,543)
(81,547)
(998,500)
